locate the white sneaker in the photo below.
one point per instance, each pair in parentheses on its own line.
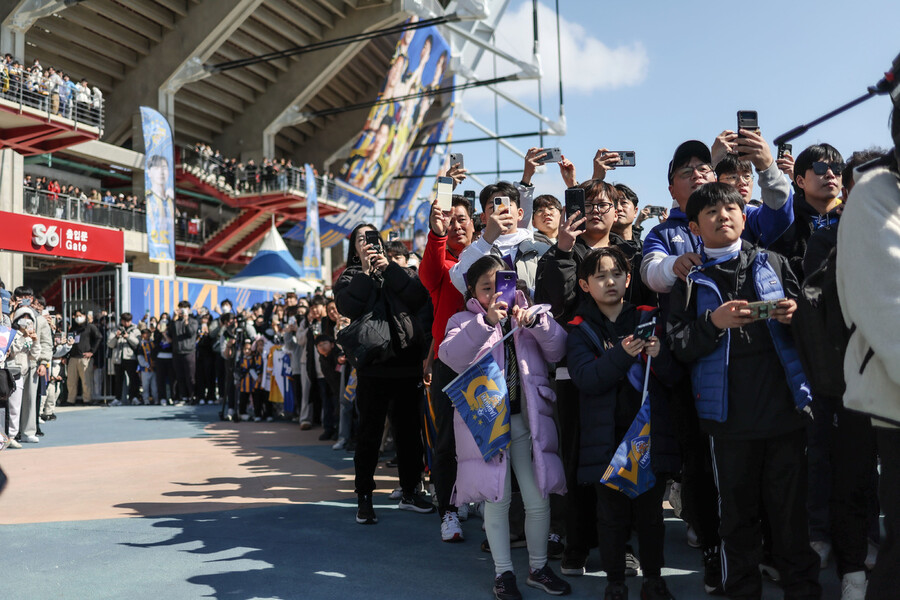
(853,586)
(257,419)
(450,529)
(136,402)
(31,439)
(14,444)
(823,549)
(340,444)
(396,494)
(245,417)
(463,512)
(675,498)
(116,402)
(202,402)
(41,421)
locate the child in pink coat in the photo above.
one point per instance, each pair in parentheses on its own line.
(532,453)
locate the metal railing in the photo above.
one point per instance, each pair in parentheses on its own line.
(43,98)
(73,208)
(249,180)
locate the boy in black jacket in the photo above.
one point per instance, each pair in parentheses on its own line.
(604,358)
(750,393)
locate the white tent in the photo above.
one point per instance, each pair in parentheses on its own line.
(273,268)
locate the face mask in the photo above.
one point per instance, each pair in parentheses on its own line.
(80,320)
(226,308)
(26,324)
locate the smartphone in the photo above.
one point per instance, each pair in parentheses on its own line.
(506,286)
(374,238)
(575,203)
(445,193)
(501,201)
(747,119)
(551,155)
(785,149)
(456,158)
(656,211)
(762,310)
(627,158)
(470,198)
(292,321)
(644,331)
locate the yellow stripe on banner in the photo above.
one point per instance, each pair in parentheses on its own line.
(201,297)
(156,310)
(186,289)
(166,297)
(214,302)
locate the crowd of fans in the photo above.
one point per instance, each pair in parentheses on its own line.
(771,473)
(50,90)
(233,176)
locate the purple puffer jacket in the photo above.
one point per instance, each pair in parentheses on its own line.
(468,337)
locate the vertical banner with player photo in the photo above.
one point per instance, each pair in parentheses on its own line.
(159,186)
(418,66)
(312,249)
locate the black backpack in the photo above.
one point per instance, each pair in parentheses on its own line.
(819,331)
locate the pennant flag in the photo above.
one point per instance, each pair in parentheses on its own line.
(312,250)
(350,388)
(629,470)
(479,395)
(7,336)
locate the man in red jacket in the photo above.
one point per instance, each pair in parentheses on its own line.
(451,232)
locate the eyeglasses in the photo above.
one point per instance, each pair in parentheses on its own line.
(601,207)
(688,172)
(820,168)
(734,177)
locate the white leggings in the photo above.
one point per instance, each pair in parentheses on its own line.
(537,509)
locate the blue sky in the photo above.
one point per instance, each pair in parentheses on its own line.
(647,76)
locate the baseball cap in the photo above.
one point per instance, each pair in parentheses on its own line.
(685,152)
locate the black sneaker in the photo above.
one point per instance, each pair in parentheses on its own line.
(505,587)
(616,591)
(555,547)
(545,579)
(365,513)
(573,566)
(415,503)
(712,572)
(654,588)
(632,564)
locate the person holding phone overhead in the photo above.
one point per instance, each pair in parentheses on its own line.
(449,234)
(385,342)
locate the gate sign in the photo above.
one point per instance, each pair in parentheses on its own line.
(61,239)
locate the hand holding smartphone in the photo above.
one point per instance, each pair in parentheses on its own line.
(374,238)
(505,285)
(445,193)
(551,155)
(760,311)
(575,203)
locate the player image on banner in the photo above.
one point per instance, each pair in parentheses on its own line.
(312,249)
(418,65)
(159,186)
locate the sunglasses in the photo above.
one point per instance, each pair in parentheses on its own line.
(820,168)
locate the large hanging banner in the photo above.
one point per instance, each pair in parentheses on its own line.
(335,228)
(414,167)
(312,250)
(154,295)
(418,65)
(159,186)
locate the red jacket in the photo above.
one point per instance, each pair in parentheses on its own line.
(434,273)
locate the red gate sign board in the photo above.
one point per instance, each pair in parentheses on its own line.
(61,239)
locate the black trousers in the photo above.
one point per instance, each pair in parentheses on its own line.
(699,496)
(443,463)
(376,398)
(580,500)
(185,367)
(770,472)
(298,392)
(883,582)
(165,374)
(615,514)
(205,376)
(127,368)
(220,374)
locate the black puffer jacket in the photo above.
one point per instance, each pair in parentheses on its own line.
(609,402)
(399,295)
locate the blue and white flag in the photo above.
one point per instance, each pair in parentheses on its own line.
(334,229)
(479,395)
(312,250)
(7,336)
(159,186)
(423,213)
(629,471)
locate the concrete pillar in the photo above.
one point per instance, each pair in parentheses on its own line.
(12,171)
(12,42)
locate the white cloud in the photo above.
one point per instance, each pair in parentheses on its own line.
(589,65)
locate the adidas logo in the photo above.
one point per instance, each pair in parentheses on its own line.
(677,239)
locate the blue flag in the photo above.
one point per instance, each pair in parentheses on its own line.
(629,470)
(312,250)
(420,222)
(479,394)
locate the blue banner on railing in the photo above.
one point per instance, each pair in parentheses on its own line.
(311,267)
(159,185)
(335,228)
(157,295)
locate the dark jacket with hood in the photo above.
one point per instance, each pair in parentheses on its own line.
(609,401)
(397,294)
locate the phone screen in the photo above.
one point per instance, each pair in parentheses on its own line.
(445,193)
(575,202)
(747,119)
(644,331)
(372,237)
(506,286)
(627,158)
